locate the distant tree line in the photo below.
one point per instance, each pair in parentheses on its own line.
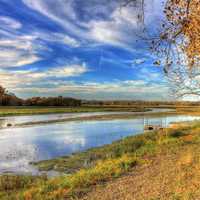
(52,101)
(136,103)
(9,99)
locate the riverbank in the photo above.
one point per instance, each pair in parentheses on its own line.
(108,113)
(77,114)
(104,172)
(112,115)
(34,110)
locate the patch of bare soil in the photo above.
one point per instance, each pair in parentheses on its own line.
(171,175)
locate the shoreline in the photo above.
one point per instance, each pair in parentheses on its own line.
(27,111)
(60,164)
(6,111)
(103,117)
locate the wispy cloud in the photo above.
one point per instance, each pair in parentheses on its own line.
(41,83)
(9,23)
(115,26)
(57,37)
(19,48)
(13,78)
(106,90)
(101,21)
(16,49)
(18,52)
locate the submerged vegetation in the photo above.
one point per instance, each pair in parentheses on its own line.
(99,165)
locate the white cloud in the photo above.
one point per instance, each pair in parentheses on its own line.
(24,49)
(67,71)
(116,27)
(25,60)
(103,32)
(19,50)
(53,82)
(9,23)
(15,43)
(33,83)
(18,78)
(147,73)
(16,57)
(16,50)
(139,61)
(70,41)
(58,37)
(59,11)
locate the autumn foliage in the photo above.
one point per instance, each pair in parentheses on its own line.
(184,17)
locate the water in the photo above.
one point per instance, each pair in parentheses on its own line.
(17,120)
(47,117)
(20,146)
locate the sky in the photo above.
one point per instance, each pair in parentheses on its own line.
(86,49)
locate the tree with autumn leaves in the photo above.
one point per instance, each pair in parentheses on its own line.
(177,43)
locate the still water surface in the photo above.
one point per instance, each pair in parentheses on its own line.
(48,117)
(19,146)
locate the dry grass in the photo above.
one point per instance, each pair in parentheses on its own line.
(172,174)
(168,176)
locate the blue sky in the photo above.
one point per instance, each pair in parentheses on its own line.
(86,49)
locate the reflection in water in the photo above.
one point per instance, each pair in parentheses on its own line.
(17,155)
(4,121)
(19,146)
(12,120)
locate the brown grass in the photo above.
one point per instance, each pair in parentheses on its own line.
(173,174)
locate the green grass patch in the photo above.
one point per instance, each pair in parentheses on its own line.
(67,186)
(33,110)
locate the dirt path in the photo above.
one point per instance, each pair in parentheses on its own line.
(169,176)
